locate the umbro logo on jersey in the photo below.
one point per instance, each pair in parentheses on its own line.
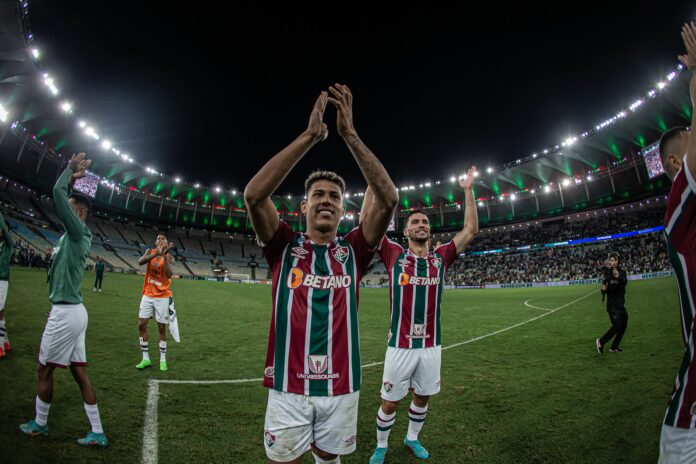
(405,279)
(298,252)
(404,262)
(340,254)
(296,278)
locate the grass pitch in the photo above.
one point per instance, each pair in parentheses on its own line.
(536,393)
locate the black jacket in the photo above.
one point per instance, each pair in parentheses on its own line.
(616,288)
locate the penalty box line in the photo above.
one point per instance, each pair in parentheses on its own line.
(150,426)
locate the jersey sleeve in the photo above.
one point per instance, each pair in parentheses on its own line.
(680,219)
(448,251)
(363,252)
(273,249)
(389,252)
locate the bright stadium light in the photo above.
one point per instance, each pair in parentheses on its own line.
(534,155)
(489,170)
(3,114)
(289,197)
(566,182)
(427,184)
(589,178)
(453,179)
(661,85)
(513,197)
(106,144)
(234,192)
(532,191)
(124,157)
(196,185)
(35,51)
(480,203)
(346,195)
(177,179)
(66,106)
(547,189)
(82,124)
(476,173)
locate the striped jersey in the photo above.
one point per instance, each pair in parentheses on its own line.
(415,293)
(680,232)
(313,345)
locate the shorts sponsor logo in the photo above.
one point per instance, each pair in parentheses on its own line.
(299,252)
(405,279)
(418,331)
(318,364)
(340,254)
(270,438)
(388,386)
(351,441)
(269,371)
(437,262)
(297,278)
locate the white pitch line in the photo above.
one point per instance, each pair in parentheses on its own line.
(526,303)
(150,427)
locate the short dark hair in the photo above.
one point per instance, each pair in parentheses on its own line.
(161,233)
(82,199)
(668,136)
(415,211)
(324,175)
(614,254)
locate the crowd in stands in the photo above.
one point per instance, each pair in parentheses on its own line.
(25,255)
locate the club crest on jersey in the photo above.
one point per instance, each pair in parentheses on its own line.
(323,282)
(318,363)
(270,438)
(437,262)
(340,254)
(388,386)
(298,252)
(269,371)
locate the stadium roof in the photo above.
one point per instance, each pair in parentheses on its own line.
(31,98)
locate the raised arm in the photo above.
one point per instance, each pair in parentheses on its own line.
(379,213)
(257,194)
(76,168)
(467,234)
(6,233)
(368,202)
(147,257)
(689,60)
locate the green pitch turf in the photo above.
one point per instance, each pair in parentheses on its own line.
(537,393)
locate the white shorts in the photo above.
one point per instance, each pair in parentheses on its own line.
(677,446)
(4,286)
(63,340)
(417,368)
(157,306)
(295,422)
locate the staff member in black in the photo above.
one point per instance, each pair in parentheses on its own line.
(99,273)
(614,288)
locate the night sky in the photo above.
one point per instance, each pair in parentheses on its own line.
(210,93)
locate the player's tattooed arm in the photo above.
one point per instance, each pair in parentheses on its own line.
(377,217)
(471,227)
(168,269)
(147,257)
(688,34)
(257,194)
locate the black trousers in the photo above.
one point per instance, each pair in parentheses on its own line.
(98,279)
(619,321)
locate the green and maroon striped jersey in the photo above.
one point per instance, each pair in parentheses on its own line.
(680,232)
(313,344)
(415,293)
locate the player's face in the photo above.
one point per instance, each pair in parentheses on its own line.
(161,240)
(613,262)
(323,206)
(418,228)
